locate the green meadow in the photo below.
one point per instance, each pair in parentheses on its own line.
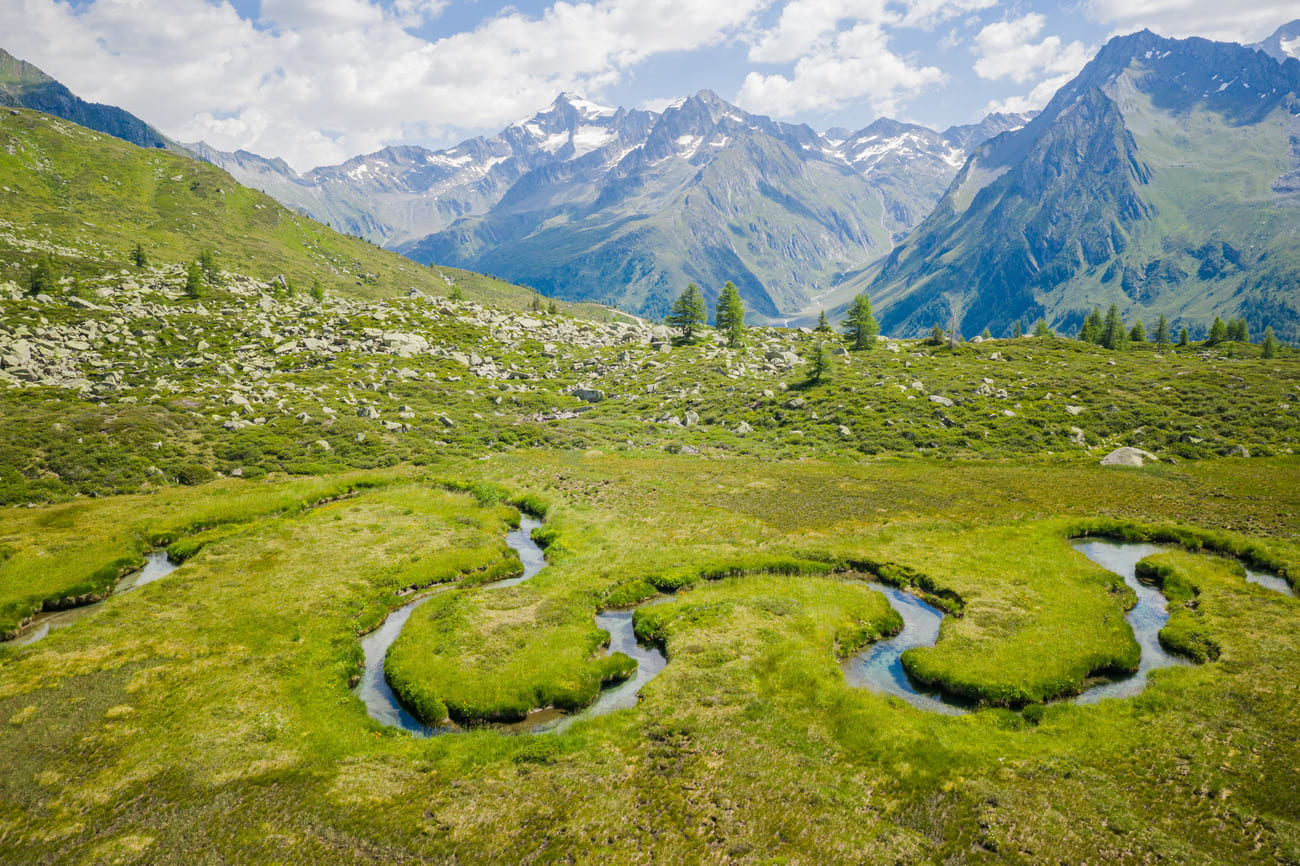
(211,710)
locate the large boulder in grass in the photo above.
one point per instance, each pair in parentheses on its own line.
(1128,457)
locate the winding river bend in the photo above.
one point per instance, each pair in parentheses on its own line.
(383,705)
(878,667)
(156,565)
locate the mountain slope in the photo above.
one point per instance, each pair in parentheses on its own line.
(1162,179)
(84,199)
(712,194)
(22,85)
(592,202)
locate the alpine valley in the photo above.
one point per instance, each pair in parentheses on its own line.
(378,514)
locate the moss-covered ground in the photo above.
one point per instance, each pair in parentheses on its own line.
(211,711)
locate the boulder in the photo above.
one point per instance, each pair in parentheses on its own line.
(1127,456)
(591,395)
(942,401)
(1077,437)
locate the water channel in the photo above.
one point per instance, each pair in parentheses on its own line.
(156,565)
(383,705)
(878,667)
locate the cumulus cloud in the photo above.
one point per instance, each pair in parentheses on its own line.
(856,64)
(1231,22)
(839,51)
(317,81)
(1006,50)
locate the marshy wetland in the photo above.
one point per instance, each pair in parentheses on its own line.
(213,709)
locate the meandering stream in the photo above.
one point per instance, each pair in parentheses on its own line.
(878,667)
(156,565)
(383,705)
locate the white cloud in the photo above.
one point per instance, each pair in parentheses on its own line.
(1006,51)
(1032,101)
(317,81)
(838,51)
(1213,19)
(856,63)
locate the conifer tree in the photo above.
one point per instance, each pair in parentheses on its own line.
(1162,332)
(1113,335)
(1269,348)
(823,326)
(688,312)
(936,336)
(1218,332)
(1092,327)
(1041,330)
(317,291)
(138,256)
(821,365)
(41,278)
(1239,331)
(985,335)
(860,324)
(208,262)
(1018,331)
(1182,337)
(729,315)
(1139,332)
(552,308)
(194,281)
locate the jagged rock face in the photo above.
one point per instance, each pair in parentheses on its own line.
(1124,190)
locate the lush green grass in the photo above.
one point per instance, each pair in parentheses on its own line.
(210,710)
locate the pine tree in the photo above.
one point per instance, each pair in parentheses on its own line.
(41,278)
(194,281)
(138,256)
(1113,335)
(1269,348)
(456,294)
(1182,337)
(1092,327)
(1218,332)
(821,365)
(860,324)
(985,335)
(729,315)
(1139,333)
(936,336)
(1162,332)
(1041,330)
(208,262)
(1018,331)
(317,291)
(1239,331)
(823,326)
(688,313)
(552,309)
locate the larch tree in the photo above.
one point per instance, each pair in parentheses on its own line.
(729,315)
(688,313)
(859,323)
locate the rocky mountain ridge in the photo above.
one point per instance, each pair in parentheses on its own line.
(1160,179)
(586,201)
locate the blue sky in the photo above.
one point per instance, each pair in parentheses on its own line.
(318,81)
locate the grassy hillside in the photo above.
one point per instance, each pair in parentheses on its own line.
(85,199)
